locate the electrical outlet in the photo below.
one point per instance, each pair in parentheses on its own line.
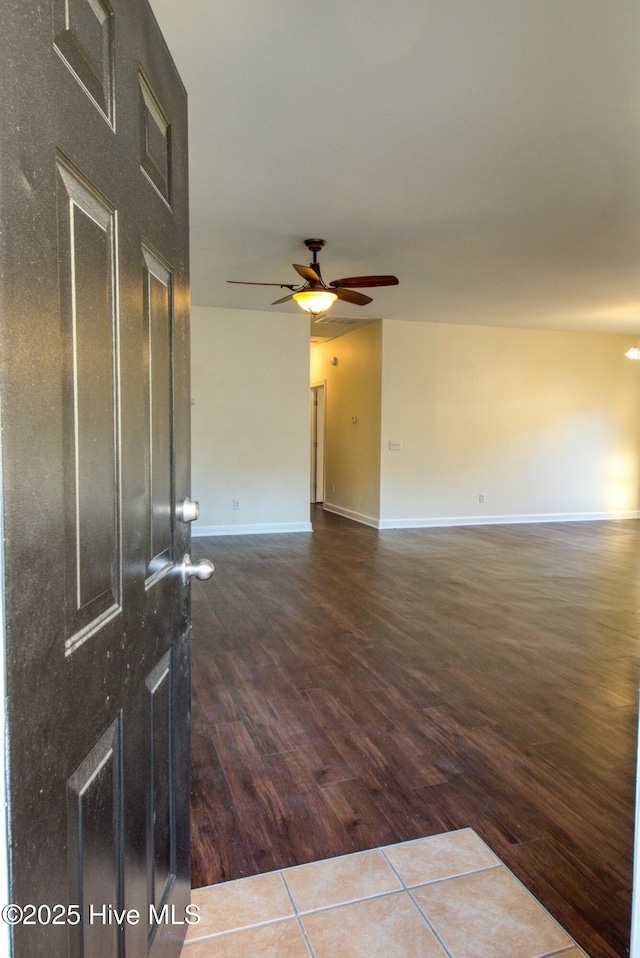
(395,445)
(481,497)
(333,487)
(236,503)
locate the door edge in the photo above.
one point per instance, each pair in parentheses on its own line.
(5,929)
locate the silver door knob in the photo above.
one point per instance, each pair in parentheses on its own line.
(189,510)
(202,569)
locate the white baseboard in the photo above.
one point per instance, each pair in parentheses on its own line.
(259,528)
(429,523)
(436,522)
(269,528)
(349,514)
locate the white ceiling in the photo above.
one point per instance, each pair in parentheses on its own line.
(487,152)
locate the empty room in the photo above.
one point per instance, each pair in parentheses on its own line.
(448,640)
(320,479)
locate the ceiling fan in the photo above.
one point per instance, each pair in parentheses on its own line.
(314,295)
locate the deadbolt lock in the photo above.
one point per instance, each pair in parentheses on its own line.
(189,510)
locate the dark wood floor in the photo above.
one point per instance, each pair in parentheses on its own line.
(353,688)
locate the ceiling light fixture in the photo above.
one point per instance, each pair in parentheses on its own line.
(634,352)
(315,301)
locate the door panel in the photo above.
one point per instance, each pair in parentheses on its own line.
(95,457)
(156,141)
(83,31)
(158,314)
(88,314)
(162,850)
(96,843)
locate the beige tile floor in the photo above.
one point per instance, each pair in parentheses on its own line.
(447,896)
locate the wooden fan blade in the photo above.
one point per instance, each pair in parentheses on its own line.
(307,273)
(242,282)
(362,281)
(284,299)
(350,296)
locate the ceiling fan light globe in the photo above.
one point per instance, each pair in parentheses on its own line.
(633,353)
(315,301)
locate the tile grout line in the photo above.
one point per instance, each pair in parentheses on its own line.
(303,930)
(232,931)
(565,951)
(429,925)
(441,881)
(351,901)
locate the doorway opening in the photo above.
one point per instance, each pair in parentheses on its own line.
(317,412)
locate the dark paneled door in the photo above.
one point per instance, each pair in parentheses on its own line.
(95,451)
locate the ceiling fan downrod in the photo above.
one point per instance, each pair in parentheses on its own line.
(315,245)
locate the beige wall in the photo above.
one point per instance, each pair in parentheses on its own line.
(543,424)
(352,449)
(250,420)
